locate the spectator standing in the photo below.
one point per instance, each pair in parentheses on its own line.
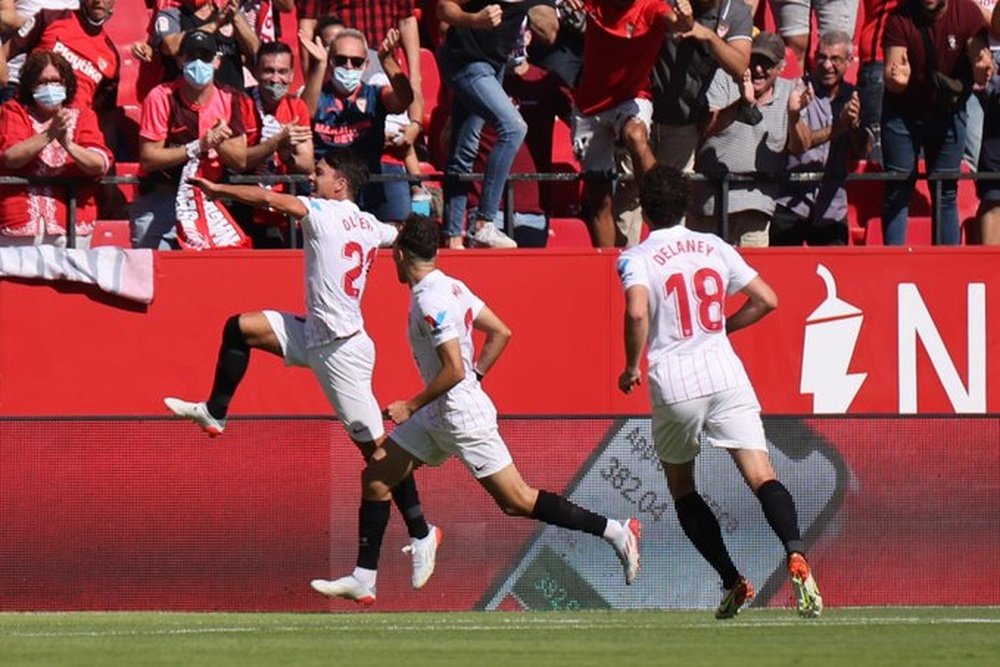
(750,129)
(13,15)
(347,112)
(481,36)
(540,97)
(816,213)
(720,37)
(986,231)
(925,39)
(190,125)
(613,100)
(236,39)
(79,37)
(44,133)
(871,80)
(974,105)
(793,20)
(280,141)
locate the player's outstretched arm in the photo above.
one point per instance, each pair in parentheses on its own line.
(497,336)
(252,195)
(636,333)
(761,300)
(452,372)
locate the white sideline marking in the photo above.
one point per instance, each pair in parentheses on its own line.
(513,625)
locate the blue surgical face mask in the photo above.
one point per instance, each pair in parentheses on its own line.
(199,73)
(347,79)
(50,95)
(275,90)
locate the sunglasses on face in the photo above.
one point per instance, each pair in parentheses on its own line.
(357,62)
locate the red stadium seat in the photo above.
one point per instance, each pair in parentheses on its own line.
(430,84)
(568,233)
(111,233)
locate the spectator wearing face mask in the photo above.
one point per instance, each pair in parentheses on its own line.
(43,133)
(189,122)
(79,37)
(280,139)
(347,112)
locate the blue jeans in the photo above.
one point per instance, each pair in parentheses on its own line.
(479,98)
(389,201)
(942,138)
(871,85)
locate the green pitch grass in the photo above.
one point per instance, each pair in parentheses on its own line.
(853,637)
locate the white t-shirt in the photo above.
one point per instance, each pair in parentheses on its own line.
(340,246)
(688,275)
(441,309)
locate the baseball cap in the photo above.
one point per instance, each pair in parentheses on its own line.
(769,45)
(198,40)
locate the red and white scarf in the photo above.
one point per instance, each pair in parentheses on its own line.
(203,224)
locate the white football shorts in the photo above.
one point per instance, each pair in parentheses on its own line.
(343,368)
(729,418)
(481,450)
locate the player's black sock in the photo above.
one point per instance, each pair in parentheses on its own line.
(373,517)
(234,357)
(702,528)
(408,503)
(558,511)
(779,508)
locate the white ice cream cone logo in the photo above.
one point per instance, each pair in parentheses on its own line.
(831,335)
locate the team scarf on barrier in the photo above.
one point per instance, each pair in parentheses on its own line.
(203,224)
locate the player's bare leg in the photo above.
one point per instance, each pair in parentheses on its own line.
(516,498)
(699,523)
(240,334)
(779,509)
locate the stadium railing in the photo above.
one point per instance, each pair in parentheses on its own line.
(723,183)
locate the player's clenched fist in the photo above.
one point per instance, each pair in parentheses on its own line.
(398,412)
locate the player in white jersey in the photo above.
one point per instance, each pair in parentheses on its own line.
(340,245)
(676,283)
(453,416)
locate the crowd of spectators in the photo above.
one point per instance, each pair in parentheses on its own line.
(696,84)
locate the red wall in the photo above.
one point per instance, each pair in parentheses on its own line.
(67,350)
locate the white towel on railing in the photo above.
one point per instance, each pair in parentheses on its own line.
(125,273)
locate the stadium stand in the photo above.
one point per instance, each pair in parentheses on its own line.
(568,233)
(110,233)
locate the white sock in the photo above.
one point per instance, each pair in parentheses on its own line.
(365,576)
(613,531)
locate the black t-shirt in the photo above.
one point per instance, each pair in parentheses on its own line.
(686,67)
(466,45)
(230,72)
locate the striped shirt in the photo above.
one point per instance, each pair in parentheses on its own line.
(688,275)
(372,17)
(443,309)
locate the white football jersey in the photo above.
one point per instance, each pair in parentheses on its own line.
(441,309)
(688,275)
(340,244)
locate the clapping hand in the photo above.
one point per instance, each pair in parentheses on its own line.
(800,98)
(58,126)
(314,47)
(212,138)
(850,115)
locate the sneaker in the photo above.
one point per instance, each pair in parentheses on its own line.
(807,597)
(347,588)
(198,413)
(735,598)
(424,552)
(627,548)
(490,237)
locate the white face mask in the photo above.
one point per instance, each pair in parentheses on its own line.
(275,90)
(347,80)
(49,95)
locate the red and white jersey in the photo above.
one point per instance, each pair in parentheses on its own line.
(688,275)
(441,309)
(341,242)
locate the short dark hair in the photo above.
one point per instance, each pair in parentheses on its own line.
(273,49)
(350,165)
(31,72)
(327,21)
(419,236)
(663,194)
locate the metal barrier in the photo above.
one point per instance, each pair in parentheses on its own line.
(724,184)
